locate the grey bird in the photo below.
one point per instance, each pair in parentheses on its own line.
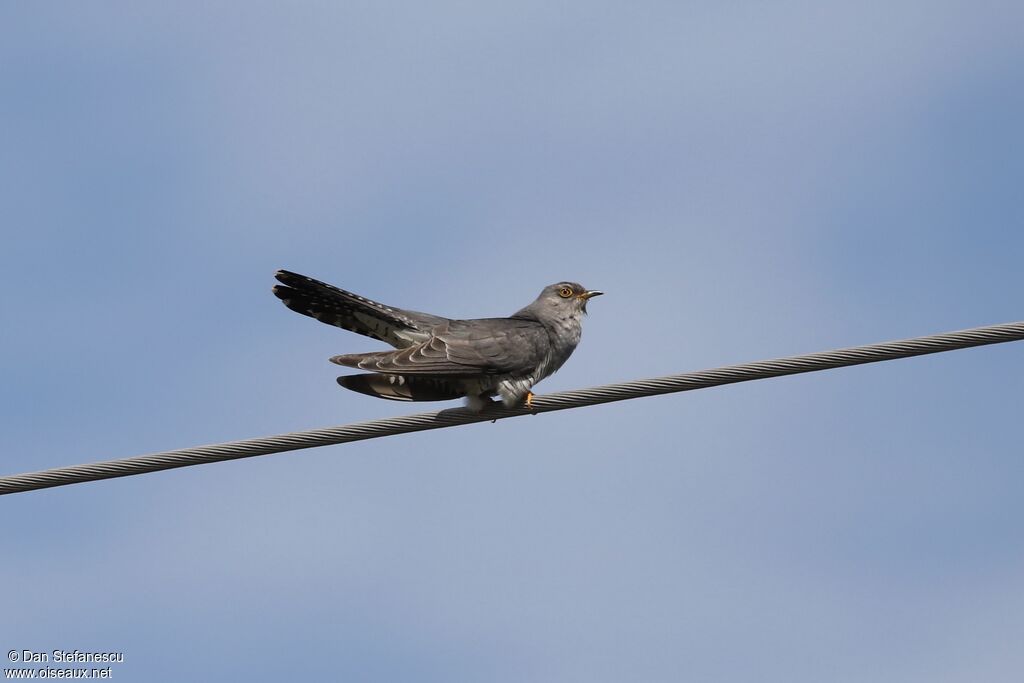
(438,359)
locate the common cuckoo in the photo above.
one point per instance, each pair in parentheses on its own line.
(438,359)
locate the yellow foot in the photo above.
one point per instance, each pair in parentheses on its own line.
(529,400)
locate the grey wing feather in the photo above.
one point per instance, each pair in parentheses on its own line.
(408,389)
(334,306)
(495,346)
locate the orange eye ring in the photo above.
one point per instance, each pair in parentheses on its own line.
(565,292)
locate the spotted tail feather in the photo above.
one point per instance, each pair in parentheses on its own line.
(352,312)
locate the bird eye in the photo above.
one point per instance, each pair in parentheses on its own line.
(565,292)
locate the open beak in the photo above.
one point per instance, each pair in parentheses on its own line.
(587,296)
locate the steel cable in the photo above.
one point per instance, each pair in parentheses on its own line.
(872,353)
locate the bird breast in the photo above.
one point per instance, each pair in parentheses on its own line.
(565,334)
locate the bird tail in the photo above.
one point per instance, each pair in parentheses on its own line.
(349,311)
(362,361)
(402,388)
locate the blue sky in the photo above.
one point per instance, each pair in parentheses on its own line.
(743,180)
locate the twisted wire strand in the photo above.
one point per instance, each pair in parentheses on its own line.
(453,417)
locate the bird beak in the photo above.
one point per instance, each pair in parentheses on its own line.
(590,294)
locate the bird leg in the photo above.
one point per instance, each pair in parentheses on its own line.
(477,403)
(529,400)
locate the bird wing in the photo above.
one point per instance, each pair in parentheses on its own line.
(335,306)
(415,388)
(489,346)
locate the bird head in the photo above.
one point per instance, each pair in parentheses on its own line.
(571,297)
